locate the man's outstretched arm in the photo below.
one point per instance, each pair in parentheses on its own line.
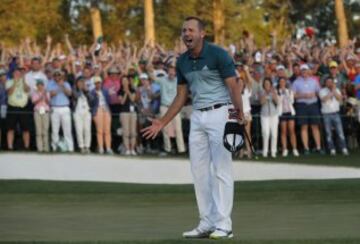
(157,124)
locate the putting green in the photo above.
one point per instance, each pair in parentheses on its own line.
(264,212)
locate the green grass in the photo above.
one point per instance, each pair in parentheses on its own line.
(353,160)
(269,212)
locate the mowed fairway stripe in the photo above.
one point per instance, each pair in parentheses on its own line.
(264,212)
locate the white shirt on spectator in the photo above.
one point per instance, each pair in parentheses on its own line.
(246,100)
(331,105)
(32,76)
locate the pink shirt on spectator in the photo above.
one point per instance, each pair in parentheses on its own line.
(113,87)
(42,102)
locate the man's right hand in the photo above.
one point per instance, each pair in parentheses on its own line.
(153,130)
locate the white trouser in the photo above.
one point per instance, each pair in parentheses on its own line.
(61,116)
(211,166)
(82,120)
(176,123)
(269,127)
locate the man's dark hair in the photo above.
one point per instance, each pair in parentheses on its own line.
(201,24)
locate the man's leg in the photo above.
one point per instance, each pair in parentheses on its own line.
(327,126)
(265,130)
(55,127)
(66,125)
(316,135)
(222,179)
(200,168)
(339,131)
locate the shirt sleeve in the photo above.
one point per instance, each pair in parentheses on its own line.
(226,65)
(181,80)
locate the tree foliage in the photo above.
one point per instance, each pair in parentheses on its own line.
(124,19)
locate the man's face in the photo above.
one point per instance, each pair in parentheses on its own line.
(57,77)
(35,65)
(3,78)
(17,74)
(191,34)
(333,70)
(87,73)
(296,69)
(329,83)
(305,73)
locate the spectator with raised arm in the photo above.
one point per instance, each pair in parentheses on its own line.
(60,93)
(331,98)
(18,112)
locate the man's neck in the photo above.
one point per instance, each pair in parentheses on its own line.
(197,50)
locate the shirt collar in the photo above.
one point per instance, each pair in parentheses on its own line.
(202,52)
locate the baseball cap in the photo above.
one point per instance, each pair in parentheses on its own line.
(3,72)
(350,57)
(233,138)
(144,76)
(58,71)
(97,79)
(239,63)
(357,65)
(114,70)
(333,64)
(280,67)
(39,81)
(357,50)
(304,67)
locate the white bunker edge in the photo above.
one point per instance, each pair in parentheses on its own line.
(96,168)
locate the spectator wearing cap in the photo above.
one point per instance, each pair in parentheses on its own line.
(82,115)
(35,74)
(296,72)
(3,100)
(339,78)
(100,110)
(41,100)
(112,83)
(287,117)
(331,98)
(269,117)
(60,92)
(306,90)
(168,90)
(18,98)
(128,116)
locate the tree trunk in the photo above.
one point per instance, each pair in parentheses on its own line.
(341,21)
(219,21)
(96,20)
(149,22)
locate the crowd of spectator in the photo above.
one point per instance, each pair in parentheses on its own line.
(82,98)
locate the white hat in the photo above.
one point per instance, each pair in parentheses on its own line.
(280,67)
(144,76)
(304,66)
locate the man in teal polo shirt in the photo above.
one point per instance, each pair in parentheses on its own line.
(209,72)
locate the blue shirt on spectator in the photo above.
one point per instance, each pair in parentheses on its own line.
(60,99)
(308,85)
(356,83)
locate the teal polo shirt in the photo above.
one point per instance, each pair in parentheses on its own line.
(205,75)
